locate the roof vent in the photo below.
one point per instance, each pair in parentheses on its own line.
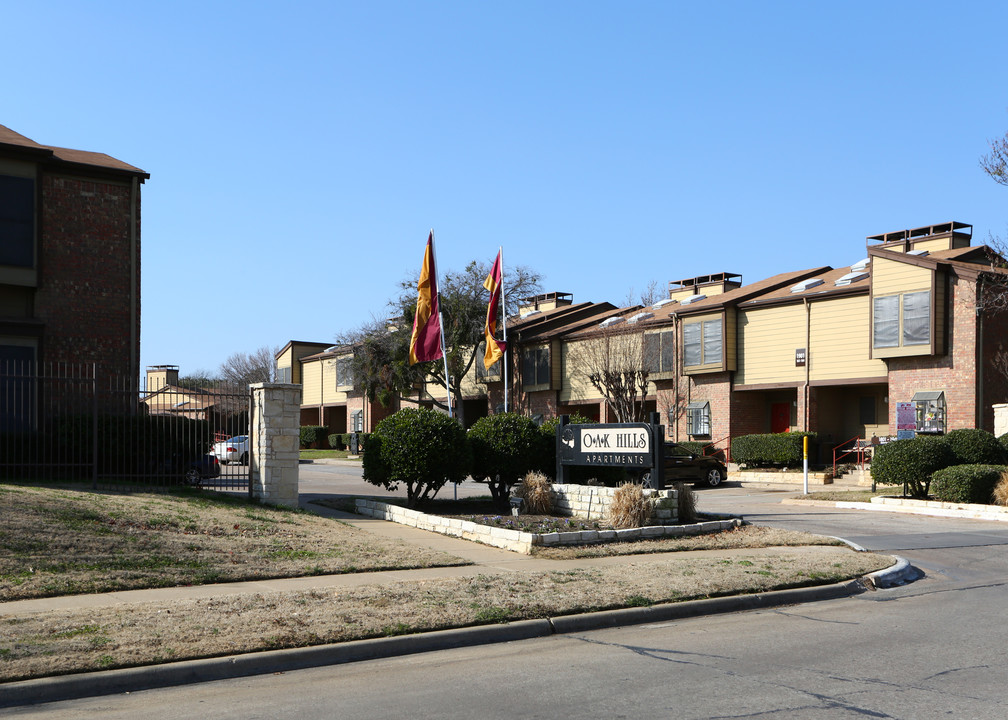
(609,322)
(807,285)
(850,277)
(861,265)
(918,253)
(332,348)
(693,298)
(530,313)
(640,316)
(662,303)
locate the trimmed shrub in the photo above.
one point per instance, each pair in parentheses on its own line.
(311,435)
(1004,443)
(771,450)
(630,508)
(973,483)
(536,491)
(420,448)
(695,447)
(336,441)
(911,463)
(975,447)
(504,450)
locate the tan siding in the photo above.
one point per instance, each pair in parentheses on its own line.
(942,243)
(768,338)
(286,358)
(731,339)
(311,373)
(576,386)
(840,339)
(889,277)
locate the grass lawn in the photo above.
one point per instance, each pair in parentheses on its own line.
(62,541)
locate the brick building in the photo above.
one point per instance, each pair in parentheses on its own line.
(69,257)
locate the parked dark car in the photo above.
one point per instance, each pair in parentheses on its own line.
(202,468)
(681,465)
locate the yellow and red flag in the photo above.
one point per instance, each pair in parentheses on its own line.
(494,349)
(426,341)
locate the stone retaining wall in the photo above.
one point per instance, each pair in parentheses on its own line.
(592,502)
(782,478)
(523,542)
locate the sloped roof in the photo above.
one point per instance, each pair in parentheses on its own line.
(67,156)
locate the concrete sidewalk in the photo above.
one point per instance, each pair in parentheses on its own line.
(483,559)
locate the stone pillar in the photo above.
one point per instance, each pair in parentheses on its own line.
(275,427)
(1000,419)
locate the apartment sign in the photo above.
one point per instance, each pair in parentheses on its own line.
(614,445)
(799,357)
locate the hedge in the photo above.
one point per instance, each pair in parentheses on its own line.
(972,483)
(911,462)
(771,450)
(975,447)
(311,435)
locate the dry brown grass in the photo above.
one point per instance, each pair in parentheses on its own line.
(1001,490)
(144,633)
(630,508)
(535,491)
(68,542)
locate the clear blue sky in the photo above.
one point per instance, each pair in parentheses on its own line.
(300,151)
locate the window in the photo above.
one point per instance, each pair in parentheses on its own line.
(915,320)
(698,418)
(659,351)
(283,374)
(495,371)
(344,372)
(930,407)
(17,221)
(702,344)
(535,367)
(357,421)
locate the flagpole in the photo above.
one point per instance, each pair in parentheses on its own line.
(500,250)
(444,355)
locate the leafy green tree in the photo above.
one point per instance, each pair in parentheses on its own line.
(505,448)
(421,448)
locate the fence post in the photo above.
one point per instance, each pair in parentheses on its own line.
(274,425)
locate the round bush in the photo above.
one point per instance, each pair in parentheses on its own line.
(505,447)
(419,447)
(975,447)
(911,462)
(973,483)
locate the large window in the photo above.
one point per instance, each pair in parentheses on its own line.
(698,418)
(17,221)
(535,367)
(495,371)
(283,374)
(901,320)
(702,343)
(344,372)
(659,352)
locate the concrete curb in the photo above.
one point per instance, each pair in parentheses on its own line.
(71,687)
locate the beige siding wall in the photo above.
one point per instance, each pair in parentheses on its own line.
(889,277)
(935,245)
(767,340)
(311,377)
(576,386)
(841,338)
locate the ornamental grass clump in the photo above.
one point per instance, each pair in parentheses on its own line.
(1001,490)
(536,492)
(630,507)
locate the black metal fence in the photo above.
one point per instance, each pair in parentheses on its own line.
(69,423)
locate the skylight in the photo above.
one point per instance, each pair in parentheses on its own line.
(693,298)
(608,322)
(806,285)
(850,277)
(530,313)
(860,265)
(640,316)
(662,303)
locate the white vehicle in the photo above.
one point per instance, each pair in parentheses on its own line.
(234,449)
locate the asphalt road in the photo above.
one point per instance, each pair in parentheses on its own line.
(933,648)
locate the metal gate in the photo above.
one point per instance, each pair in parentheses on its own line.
(70,424)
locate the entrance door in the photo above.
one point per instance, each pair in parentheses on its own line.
(780,417)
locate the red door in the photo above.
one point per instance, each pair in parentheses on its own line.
(780,417)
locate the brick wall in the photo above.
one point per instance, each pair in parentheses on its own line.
(954,373)
(85,290)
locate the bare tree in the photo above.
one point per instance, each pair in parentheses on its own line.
(648,296)
(995,163)
(614,361)
(247,368)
